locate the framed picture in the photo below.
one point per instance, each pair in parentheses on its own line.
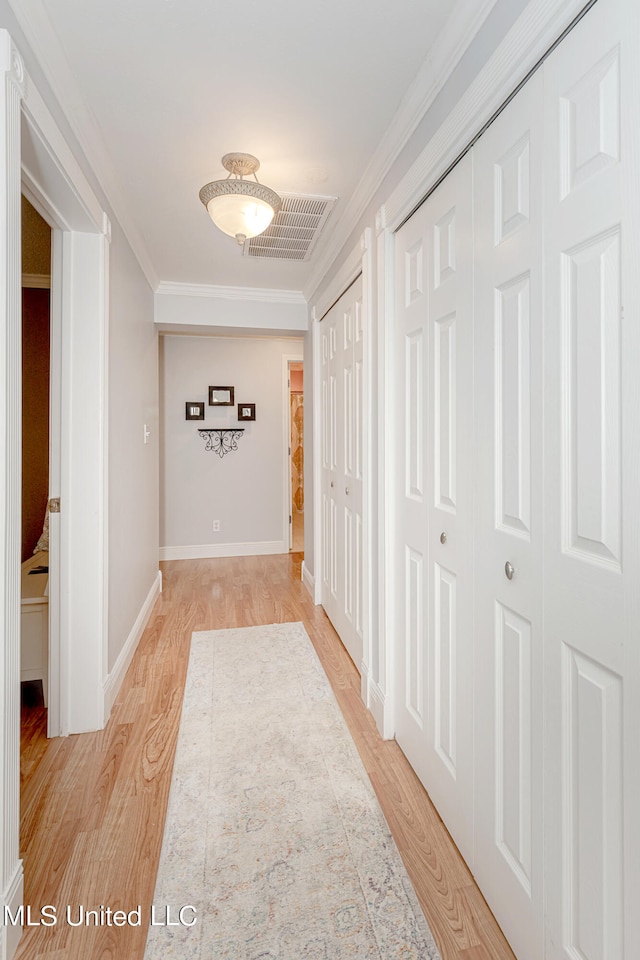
(220,396)
(195,411)
(246,411)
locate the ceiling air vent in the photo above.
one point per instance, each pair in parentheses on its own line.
(294,230)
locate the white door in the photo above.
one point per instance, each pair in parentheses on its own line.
(434,537)
(592,479)
(341,344)
(508,166)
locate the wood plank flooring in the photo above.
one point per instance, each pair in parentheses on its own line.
(93,805)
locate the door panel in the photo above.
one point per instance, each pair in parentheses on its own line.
(592,546)
(514,826)
(434,357)
(508,519)
(513,402)
(411,541)
(341,339)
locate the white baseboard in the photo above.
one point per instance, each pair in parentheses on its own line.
(380,706)
(205,551)
(114,680)
(309,581)
(12,898)
(364,683)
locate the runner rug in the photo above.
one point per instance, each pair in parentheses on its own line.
(275,847)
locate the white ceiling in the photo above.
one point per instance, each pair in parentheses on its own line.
(158,90)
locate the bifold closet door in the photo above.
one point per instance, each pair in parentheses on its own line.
(509,389)
(592,479)
(434,492)
(341,344)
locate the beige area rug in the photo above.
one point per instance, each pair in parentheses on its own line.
(274,835)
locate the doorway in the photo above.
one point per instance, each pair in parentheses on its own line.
(36,433)
(296,455)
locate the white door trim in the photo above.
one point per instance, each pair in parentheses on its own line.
(381,685)
(316,413)
(11,875)
(369,629)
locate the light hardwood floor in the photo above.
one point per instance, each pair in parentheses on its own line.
(93,805)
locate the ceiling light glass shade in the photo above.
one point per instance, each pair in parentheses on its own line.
(240,208)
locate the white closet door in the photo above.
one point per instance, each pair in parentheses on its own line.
(330,572)
(592,472)
(350,480)
(341,341)
(434,350)
(508,162)
(411,580)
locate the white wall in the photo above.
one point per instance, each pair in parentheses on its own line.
(180,308)
(133,465)
(248,488)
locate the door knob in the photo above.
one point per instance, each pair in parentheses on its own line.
(332,484)
(443,537)
(509,570)
(347,490)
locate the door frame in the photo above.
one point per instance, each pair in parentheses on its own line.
(41,164)
(53,182)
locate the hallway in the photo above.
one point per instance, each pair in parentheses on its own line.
(93,805)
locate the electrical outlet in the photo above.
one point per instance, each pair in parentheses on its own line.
(216,526)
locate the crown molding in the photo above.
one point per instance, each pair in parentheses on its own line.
(36,281)
(463,23)
(261,294)
(35,23)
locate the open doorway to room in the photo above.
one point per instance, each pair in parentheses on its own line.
(296,458)
(36,365)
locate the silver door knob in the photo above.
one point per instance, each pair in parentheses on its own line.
(443,537)
(347,491)
(509,570)
(332,484)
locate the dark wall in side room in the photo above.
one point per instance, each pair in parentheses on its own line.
(35,415)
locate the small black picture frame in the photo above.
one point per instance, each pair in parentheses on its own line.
(220,396)
(194,410)
(246,411)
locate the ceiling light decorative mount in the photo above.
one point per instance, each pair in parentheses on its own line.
(239,207)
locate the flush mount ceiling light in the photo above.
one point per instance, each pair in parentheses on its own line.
(239,207)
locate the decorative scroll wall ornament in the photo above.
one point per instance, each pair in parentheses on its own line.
(221,440)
